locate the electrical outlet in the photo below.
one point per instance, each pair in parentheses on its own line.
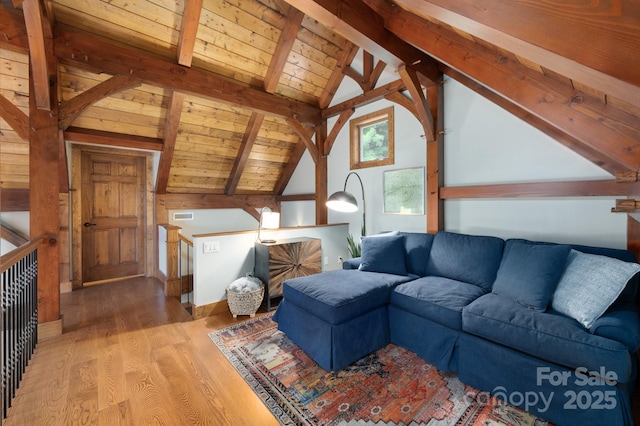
(326,260)
(340,260)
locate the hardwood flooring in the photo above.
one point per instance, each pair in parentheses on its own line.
(130,356)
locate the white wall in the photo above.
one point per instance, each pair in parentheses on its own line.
(484,144)
(213,272)
(16,221)
(410,151)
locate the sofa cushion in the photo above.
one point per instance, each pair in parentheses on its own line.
(590,284)
(417,246)
(529,272)
(547,335)
(436,298)
(468,258)
(384,253)
(339,295)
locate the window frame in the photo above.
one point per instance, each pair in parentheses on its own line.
(356,125)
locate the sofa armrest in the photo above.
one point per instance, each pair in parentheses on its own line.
(351,263)
(621,323)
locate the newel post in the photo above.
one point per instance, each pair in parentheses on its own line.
(172,250)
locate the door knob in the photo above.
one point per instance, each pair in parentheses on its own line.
(87,224)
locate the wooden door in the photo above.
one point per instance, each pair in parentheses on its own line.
(112,216)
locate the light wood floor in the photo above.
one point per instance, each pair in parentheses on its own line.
(130,356)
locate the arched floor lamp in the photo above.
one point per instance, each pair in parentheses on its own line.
(344,201)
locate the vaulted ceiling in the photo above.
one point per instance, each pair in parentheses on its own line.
(232,91)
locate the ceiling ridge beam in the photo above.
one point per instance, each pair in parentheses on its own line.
(171,126)
(71,109)
(89,52)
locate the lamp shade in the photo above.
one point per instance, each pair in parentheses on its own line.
(270,220)
(342,201)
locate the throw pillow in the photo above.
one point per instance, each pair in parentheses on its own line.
(529,272)
(590,284)
(383,253)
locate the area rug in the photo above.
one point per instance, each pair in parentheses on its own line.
(392,386)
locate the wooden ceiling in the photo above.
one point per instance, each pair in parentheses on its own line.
(231,91)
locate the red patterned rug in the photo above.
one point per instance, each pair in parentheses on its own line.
(392,386)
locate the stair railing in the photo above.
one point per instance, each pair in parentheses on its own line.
(19,287)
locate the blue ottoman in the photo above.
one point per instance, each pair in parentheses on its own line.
(337,317)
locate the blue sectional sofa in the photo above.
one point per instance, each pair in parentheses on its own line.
(551,328)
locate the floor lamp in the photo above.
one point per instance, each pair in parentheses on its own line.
(268,220)
(344,201)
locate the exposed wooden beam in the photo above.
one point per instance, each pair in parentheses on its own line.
(549,35)
(288,170)
(248,139)
(292,23)
(425,116)
(296,197)
(435,163)
(171,126)
(402,100)
(177,201)
(83,50)
(12,236)
(305,136)
(63,166)
(188,31)
(71,109)
(99,137)
(18,120)
(322,168)
(44,195)
(365,99)
(14,200)
(600,126)
(370,74)
(37,54)
(586,188)
(333,135)
(13,32)
(337,75)
(362,26)
(598,158)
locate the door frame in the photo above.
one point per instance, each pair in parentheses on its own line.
(76,207)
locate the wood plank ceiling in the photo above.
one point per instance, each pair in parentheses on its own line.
(231,90)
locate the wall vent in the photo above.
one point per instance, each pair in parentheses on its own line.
(183,216)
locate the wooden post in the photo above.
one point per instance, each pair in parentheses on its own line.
(321,175)
(435,162)
(44,189)
(172,283)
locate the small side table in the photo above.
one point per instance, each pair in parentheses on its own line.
(285,259)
